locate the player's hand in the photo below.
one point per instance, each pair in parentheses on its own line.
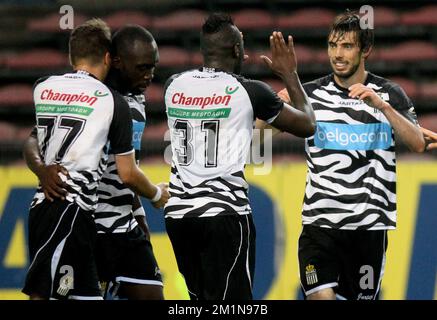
(430,139)
(431,144)
(368,95)
(165,195)
(51,183)
(283,94)
(284,59)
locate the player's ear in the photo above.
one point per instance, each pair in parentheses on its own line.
(107,59)
(366,52)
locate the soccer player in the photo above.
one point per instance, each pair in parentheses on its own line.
(76,116)
(125,260)
(350,196)
(211,112)
(124,251)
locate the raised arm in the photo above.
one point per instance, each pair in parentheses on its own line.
(299,120)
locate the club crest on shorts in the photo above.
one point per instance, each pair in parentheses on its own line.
(102,287)
(311,274)
(66,283)
(157,271)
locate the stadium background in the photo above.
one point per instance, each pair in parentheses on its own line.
(33,45)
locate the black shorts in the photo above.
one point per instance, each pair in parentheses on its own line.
(216,255)
(126,257)
(61,249)
(351,262)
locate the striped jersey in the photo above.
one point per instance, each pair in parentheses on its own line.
(76,115)
(211,116)
(114,208)
(351,180)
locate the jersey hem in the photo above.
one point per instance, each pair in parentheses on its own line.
(350,228)
(209,215)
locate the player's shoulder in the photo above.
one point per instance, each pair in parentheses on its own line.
(251,84)
(117,96)
(317,83)
(181,76)
(384,84)
(42,80)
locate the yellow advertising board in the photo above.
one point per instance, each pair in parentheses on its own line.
(276,200)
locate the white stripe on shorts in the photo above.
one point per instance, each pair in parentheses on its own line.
(54,231)
(235,261)
(58,251)
(138,281)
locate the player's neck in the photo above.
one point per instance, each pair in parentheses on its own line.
(227,66)
(97,71)
(359,76)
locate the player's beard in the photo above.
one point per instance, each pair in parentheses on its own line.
(347,74)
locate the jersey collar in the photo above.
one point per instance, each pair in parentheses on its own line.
(210,70)
(86,73)
(366,81)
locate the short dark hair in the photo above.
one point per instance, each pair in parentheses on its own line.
(124,38)
(349,21)
(216,22)
(218,34)
(91,40)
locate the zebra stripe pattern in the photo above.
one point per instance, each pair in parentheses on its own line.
(351,181)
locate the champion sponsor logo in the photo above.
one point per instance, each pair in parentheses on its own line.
(211,101)
(231,90)
(311,274)
(49,94)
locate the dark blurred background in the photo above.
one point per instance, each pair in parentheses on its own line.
(32,45)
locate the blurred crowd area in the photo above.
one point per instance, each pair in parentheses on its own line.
(32,45)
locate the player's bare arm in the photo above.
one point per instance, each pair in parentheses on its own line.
(409,133)
(140,216)
(283,94)
(48,175)
(262,125)
(135,179)
(299,120)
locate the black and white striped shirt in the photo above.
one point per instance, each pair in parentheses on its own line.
(351,181)
(114,209)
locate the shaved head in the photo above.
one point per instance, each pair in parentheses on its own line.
(220,40)
(125,39)
(135,56)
